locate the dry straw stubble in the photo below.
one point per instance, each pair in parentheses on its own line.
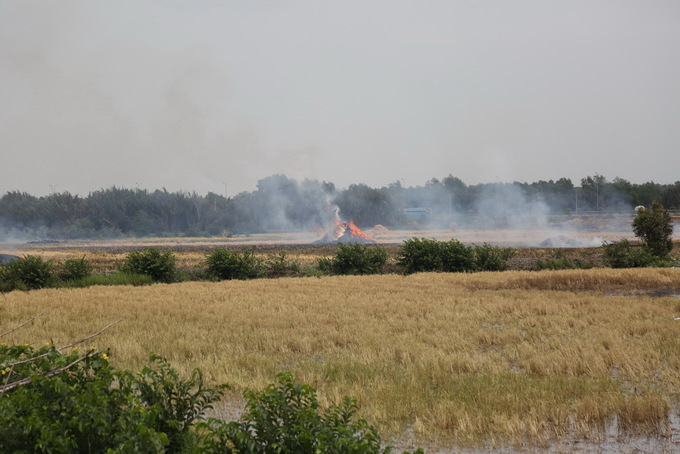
(458,358)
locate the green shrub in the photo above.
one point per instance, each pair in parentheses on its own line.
(622,254)
(457,257)
(312,271)
(177,403)
(325,265)
(27,273)
(655,228)
(9,281)
(418,255)
(286,418)
(560,262)
(422,255)
(492,258)
(77,402)
(358,259)
(153,262)
(75,269)
(279,265)
(226,264)
(119,278)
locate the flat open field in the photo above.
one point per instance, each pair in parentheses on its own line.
(477,360)
(301,247)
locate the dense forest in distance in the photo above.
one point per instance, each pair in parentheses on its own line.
(283,204)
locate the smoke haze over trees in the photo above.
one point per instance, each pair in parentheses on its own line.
(282,204)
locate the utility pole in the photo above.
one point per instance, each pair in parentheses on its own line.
(225,190)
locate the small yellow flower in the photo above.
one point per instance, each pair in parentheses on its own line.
(3,344)
(105,356)
(75,348)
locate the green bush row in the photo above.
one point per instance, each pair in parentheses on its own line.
(156,265)
(422,255)
(77,402)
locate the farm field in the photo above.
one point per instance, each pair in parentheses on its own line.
(474,360)
(301,247)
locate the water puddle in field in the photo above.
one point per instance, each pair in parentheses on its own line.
(609,442)
(653,293)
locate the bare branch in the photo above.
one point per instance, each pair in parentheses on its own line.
(52,373)
(23,324)
(35,358)
(90,336)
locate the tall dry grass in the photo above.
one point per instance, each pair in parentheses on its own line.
(487,357)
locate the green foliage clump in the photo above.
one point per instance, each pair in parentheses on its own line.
(355,259)
(422,255)
(286,418)
(492,258)
(561,262)
(623,254)
(75,269)
(457,257)
(153,262)
(325,265)
(77,402)
(28,273)
(119,278)
(279,265)
(227,264)
(655,228)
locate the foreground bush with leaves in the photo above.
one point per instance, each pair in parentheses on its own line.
(355,259)
(28,273)
(77,402)
(159,265)
(227,264)
(287,418)
(417,255)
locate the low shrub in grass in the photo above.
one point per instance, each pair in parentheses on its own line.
(27,273)
(227,264)
(286,418)
(560,262)
(8,281)
(492,258)
(623,254)
(279,265)
(457,257)
(75,269)
(325,265)
(119,278)
(422,255)
(358,259)
(153,262)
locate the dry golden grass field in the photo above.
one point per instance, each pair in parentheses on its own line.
(462,359)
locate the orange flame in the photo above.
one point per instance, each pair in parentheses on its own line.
(356,231)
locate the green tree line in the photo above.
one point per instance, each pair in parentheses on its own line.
(283,204)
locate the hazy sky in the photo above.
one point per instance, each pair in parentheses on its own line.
(189,95)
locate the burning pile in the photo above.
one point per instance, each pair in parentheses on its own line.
(344,232)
